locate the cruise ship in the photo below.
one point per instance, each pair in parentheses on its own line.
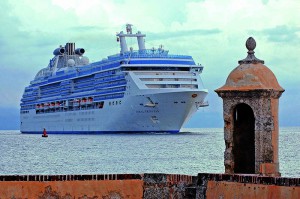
(135,90)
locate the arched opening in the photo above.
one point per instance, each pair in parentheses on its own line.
(243,139)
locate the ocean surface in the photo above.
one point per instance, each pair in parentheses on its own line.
(190,152)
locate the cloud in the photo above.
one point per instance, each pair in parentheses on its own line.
(86,28)
(184,33)
(265,2)
(281,33)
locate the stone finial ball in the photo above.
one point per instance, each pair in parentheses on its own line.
(250,44)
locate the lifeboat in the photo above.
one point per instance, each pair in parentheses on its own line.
(37,107)
(90,100)
(52,105)
(46,106)
(83,101)
(76,102)
(57,104)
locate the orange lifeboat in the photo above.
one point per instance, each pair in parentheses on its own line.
(76,102)
(52,105)
(46,106)
(57,104)
(83,101)
(90,100)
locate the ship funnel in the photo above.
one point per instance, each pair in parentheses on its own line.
(79,51)
(70,48)
(59,51)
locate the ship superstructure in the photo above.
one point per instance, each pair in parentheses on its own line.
(144,90)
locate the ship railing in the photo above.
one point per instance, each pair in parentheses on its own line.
(106,85)
(103,74)
(83,85)
(55,85)
(89,102)
(64,89)
(83,89)
(84,79)
(28,89)
(26,99)
(50,94)
(53,90)
(111,96)
(111,79)
(66,82)
(148,53)
(110,91)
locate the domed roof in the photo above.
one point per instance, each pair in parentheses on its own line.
(251,77)
(251,74)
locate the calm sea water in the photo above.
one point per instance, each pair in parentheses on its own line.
(189,152)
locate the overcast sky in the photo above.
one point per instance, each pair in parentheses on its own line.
(214,32)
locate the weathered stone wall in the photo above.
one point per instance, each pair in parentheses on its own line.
(169,186)
(71,186)
(264,104)
(148,186)
(97,186)
(247,186)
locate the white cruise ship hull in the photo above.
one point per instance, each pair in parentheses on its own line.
(132,114)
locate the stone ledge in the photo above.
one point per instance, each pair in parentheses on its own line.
(248,178)
(70,177)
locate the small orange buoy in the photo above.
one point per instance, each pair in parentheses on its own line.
(194,95)
(44,133)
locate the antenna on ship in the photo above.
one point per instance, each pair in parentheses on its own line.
(118,38)
(161,48)
(129,28)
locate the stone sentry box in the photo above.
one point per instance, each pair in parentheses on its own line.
(250,110)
